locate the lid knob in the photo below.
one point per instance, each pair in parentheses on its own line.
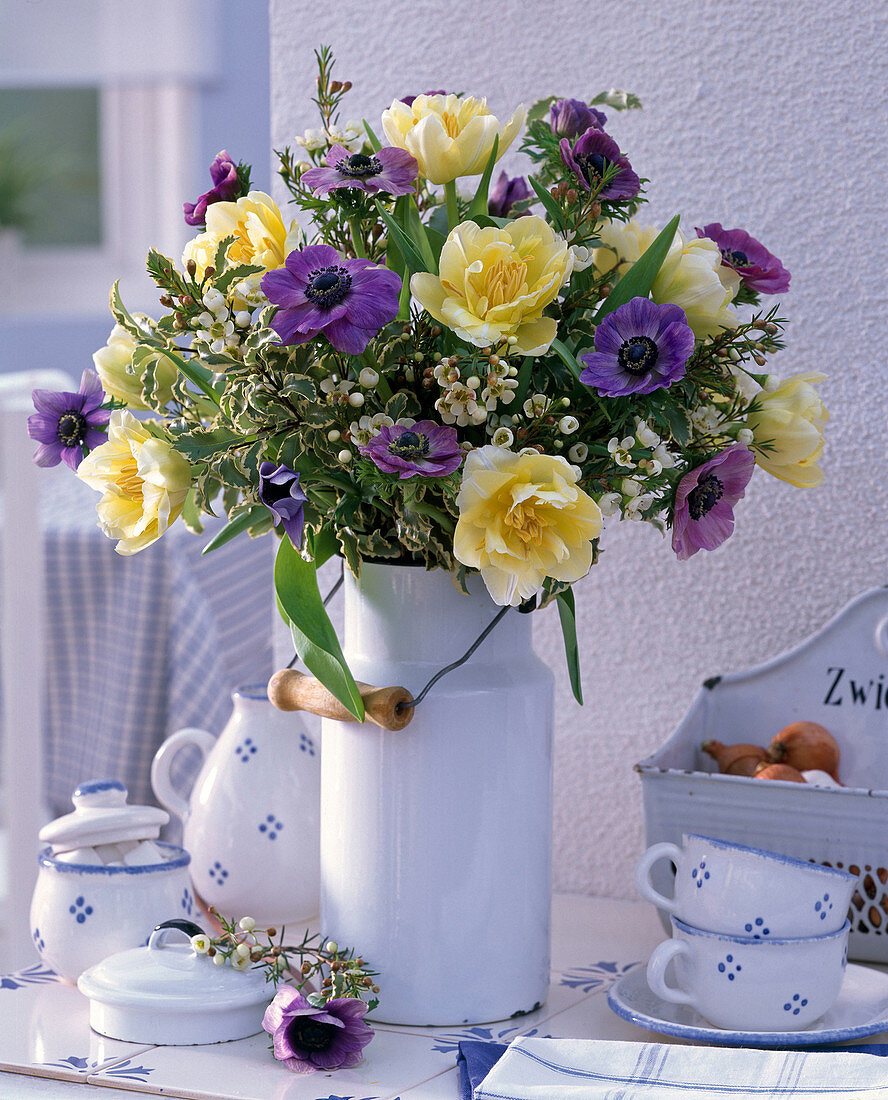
(104,793)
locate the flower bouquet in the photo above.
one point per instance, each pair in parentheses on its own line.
(431,366)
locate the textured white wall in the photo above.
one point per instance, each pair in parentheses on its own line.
(761,115)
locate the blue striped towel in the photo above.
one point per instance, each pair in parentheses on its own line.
(589,1069)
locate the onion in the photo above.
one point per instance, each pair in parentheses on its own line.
(806,746)
(778,771)
(738,759)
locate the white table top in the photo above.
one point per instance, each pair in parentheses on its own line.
(45,1031)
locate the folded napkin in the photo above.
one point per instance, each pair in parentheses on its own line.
(583,1069)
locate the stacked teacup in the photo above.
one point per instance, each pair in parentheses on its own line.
(759,940)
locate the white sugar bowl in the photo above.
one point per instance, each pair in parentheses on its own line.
(85,908)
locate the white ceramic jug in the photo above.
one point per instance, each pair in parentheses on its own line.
(252,822)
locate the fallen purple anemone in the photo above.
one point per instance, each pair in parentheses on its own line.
(705,499)
(319,293)
(66,423)
(307,1039)
(758,268)
(424,448)
(281,493)
(391,170)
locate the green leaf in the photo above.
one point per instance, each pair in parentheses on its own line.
(406,247)
(196,374)
(121,314)
(418,234)
(567,613)
(296,585)
(524,374)
(323,546)
(199,446)
(374,140)
(233,529)
(552,207)
(639,279)
(540,108)
(238,271)
(567,357)
(220,259)
(191,513)
(479,202)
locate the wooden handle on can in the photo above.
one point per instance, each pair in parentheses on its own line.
(290,689)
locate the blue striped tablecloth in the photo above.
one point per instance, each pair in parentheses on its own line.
(138,647)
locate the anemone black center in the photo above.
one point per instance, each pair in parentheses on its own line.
(638,355)
(307,1034)
(328,286)
(410,446)
(359,166)
(704,496)
(593,166)
(72,428)
(736,257)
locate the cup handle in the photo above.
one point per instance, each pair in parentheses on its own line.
(643,873)
(164,791)
(663,955)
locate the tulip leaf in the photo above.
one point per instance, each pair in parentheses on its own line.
(638,280)
(418,234)
(301,606)
(479,202)
(409,251)
(374,140)
(233,529)
(552,207)
(567,613)
(567,358)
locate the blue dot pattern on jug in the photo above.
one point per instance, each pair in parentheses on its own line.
(187,902)
(39,942)
(218,873)
(823,906)
(700,873)
(757,929)
(80,910)
(271,827)
(306,744)
(796,1005)
(246,750)
(729,967)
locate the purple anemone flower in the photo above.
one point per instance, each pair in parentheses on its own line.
(226,186)
(705,499)
(758,268)
(408,99)
(424,448)
(639,348)
(506,192)
(571,117)
(348,301)
(391,170)
(591,156)
(307,1039)
(66,423)
(280,492)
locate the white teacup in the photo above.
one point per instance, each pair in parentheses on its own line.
(740,891)
(743,984)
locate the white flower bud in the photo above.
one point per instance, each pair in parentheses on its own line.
(331,947)
(243,319)
(579,452)
(617,99)
(745,436)
(663,455)
(645,435)
(344,456)
(368,378)
(334,435)
(246,924)
(356,400)
(242,950)
(219,959)
(630,487)
(567,425)
(474,382)
(771,383)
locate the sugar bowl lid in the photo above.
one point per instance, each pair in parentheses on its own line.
(169,995)
(102,816)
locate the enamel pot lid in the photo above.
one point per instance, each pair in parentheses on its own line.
(102,816)
(169,995)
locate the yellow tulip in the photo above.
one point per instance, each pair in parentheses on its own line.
(449,136)
(692,275)
(143,482)
(114,366)
(255,222)
(791,419)
(522,518)
(495,283)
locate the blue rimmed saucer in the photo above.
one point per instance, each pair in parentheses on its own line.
(861,1009)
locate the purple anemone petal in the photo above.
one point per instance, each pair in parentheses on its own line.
(424,448)
(705,499)
(67,425)
(759,269)
(393,171)
(280,492)
(307,1038)
(572,117)
(226,186)
(505,193)
(590,157)
(639,348)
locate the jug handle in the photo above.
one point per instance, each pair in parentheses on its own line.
(164,791)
